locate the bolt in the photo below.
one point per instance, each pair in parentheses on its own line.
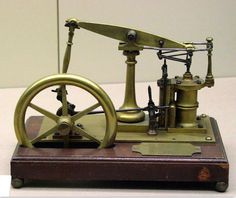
(80,125)
(198,81)
(178,82)
(209,39)
(208,138)
(200,126)
(203,115)
(132,35)
(161,43)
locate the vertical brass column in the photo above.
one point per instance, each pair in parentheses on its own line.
(209,81)
(67,55)
(72,24)
(166,98)
(130,98)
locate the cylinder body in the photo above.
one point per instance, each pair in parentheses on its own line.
(186,108)
(186,100)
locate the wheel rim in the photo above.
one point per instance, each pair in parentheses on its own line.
(64,80)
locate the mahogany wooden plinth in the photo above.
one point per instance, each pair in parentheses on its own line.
(119,163)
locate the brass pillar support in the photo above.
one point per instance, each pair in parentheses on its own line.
(209,81)
(130,99)
(72,24)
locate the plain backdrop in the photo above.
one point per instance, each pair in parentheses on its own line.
(33,37)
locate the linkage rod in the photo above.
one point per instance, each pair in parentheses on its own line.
(170,50)
(133,109)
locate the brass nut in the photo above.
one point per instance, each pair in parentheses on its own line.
(209,39)
(178,82)
(198,81)
(203,115)
(208,138)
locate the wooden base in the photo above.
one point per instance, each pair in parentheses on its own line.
(119,163)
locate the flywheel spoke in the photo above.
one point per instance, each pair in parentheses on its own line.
(44,112)
(84,133)
(44,135)
(85,112)
(64,101)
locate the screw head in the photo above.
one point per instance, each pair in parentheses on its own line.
(131,35)
(208,138)
(209,39)
(198,82)
(178,82)
(203,115)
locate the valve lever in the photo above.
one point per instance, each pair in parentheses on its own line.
(153,114)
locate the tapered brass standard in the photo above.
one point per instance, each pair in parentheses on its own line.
(130,98)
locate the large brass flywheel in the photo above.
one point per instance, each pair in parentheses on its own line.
(64,122)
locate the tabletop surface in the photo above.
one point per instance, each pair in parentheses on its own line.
(217,102)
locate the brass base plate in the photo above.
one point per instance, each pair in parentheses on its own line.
(137,132)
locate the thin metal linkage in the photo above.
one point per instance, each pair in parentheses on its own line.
(133,109)
(170,50)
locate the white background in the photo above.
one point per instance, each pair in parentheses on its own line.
(29,35)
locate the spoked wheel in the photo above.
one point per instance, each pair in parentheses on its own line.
(64,123)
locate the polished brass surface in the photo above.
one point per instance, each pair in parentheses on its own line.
(181,96)
(186,103)
(209,77)
(134,40)
(120,33)
(176,149)
(175,120)
(172,114)
(130,98)
(195,134)
(166,97)
(158,145)
(67,55)
(72,24)
(137,132)
(65,121)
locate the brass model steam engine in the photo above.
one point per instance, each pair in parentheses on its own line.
(168,137)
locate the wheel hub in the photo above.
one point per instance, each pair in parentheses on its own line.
(65,125)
